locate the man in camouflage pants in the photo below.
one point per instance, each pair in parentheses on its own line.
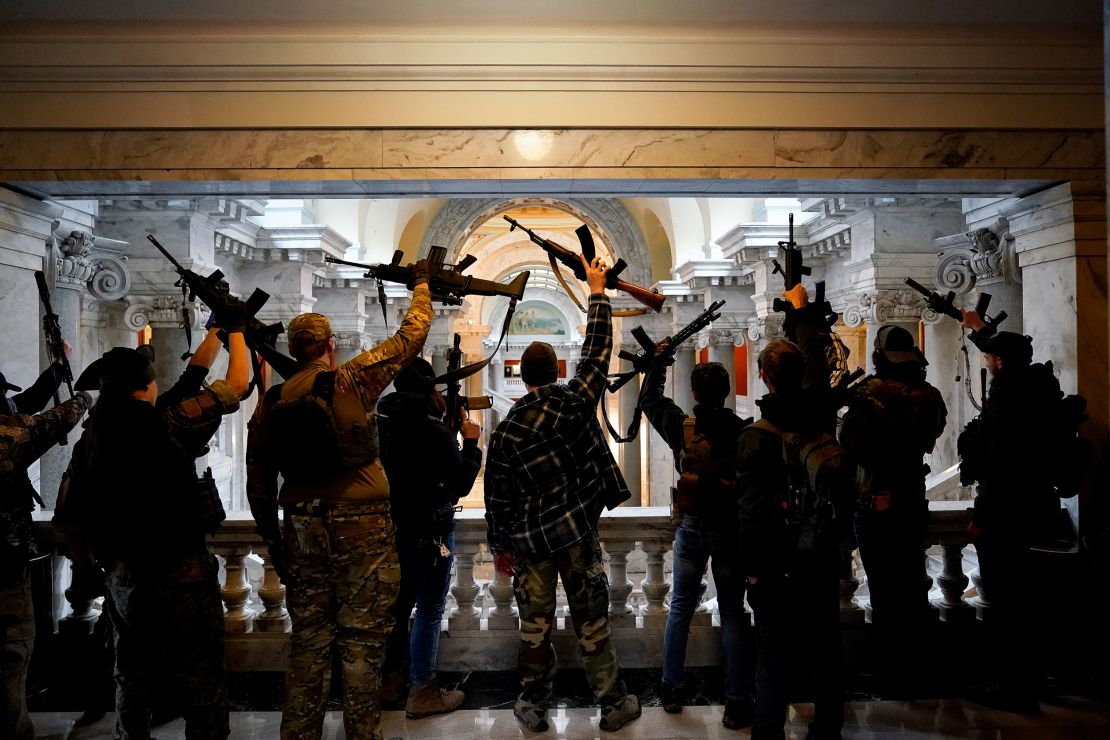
(337,555)
(549,474)
(24,437)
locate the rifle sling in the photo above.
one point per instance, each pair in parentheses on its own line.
(474,367)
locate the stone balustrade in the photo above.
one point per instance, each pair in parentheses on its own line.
(482,622)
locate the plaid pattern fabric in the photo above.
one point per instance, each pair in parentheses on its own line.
(549,471)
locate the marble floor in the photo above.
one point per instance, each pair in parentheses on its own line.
(1064,719)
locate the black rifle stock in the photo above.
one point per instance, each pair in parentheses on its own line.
(52,329)
(645,357)
(941,304)
(649,298)
(213,291)
(453,398)
(447,283)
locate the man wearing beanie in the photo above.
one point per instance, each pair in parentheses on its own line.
(549,474)
(1016,505)
(131,504)
(894,418)
(337,555)
(25,436)
(428,474)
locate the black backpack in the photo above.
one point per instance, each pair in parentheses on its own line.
(321,433)
(821,490)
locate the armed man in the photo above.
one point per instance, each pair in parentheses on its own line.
(894,418)
(25,436)
(796,493)
(131,504)
(704,447)
(549,474)
(428,474)
(1010,449)
(337,555)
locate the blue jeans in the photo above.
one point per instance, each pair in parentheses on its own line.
(694,545)
(425,578)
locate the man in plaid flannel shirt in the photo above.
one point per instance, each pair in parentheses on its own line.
(548,475)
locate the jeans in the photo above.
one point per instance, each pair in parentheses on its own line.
(696,544)
(425,579)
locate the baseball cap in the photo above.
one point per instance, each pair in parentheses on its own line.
(896,346)
(306,329)
(1009,346)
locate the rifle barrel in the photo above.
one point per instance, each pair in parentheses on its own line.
(165,253)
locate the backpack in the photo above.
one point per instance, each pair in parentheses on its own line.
(705,472)
(821,491)
(323,432)
(1072,454)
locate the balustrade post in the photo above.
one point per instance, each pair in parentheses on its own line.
(850,611)
(655,585)
(236,590)
(953,583)
(620,588)
(981,600)
(503,614)
(465,616)
(82,617)
(274,617)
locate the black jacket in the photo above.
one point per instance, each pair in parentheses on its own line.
(422,460)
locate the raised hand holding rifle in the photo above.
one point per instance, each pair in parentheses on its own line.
(457,415)
(56,346)
(232,314)
(579,263)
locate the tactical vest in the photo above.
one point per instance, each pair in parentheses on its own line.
(322,432)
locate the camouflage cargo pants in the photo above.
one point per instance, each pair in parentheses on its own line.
(17,630)
(344,577)
(587,589)
(169,626)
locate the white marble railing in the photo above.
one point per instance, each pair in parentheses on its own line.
(482,601)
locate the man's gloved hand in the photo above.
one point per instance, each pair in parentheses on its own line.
(503,563)
(798,296)
(420,272)
(232,317)
(88,582)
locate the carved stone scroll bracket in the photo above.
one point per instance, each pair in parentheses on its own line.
(766,328)
(161,312)
(984,255)
(111,280)
(886,306)
(72,264)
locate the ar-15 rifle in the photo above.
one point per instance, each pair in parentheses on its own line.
(792,275)
(947,306)
(54,342)
(446,282)
(649,298)
(454,398)
(645,357)
(215,293)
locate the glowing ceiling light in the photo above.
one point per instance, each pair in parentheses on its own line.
(533,145)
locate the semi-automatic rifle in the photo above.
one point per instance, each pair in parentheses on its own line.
(643,360)
(55,345)
(447,283)
(649,298)
(792,274)
(215,293)
(454,399)
(947,306)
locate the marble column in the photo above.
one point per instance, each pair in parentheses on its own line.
(437,355)
(630,451)
(721,350)
(684,360)
(348,345)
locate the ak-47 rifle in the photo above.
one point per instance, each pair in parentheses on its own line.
(643,360)
(649,298)
(215,293)
(792,275)
(52,329)
(447,283)
(454,399)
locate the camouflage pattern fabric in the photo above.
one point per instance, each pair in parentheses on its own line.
(17,625)
(587,589)
(343,579)
(169,628)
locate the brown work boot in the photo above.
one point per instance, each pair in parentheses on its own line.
(431,698)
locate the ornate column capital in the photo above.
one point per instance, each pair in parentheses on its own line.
(766,328)
(72,264)
(887,306)
(161,312)
(348,339)
(983,255)
(725,338)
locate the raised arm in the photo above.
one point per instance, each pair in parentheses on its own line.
(35,398)
(665,415)
(238,363)
(374,369)
(46,428)
(590,378)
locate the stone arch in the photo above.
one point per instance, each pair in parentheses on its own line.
(606,216)
(409,242)
(659,246)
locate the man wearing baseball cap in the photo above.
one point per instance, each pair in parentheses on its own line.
(24,437)
(894,418)
(336,555)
